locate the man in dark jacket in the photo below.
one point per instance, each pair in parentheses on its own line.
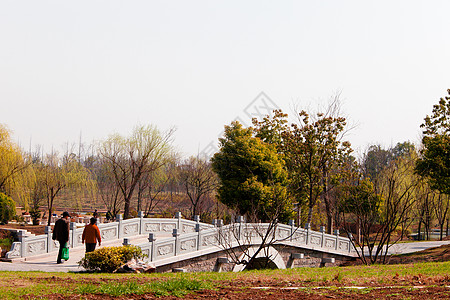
(61,233)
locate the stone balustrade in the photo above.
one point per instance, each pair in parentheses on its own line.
(187,237)
(225,237)
(36,245)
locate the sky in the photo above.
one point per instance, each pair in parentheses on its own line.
(71,69)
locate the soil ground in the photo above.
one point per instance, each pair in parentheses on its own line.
(262,287)
(266,288)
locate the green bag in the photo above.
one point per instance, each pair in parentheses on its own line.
(65,252)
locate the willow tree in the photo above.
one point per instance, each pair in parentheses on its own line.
(12,162)
(55,174)
(130,158)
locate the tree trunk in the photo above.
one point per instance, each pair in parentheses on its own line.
(330,224)
(50,207)
(419,235)
(446,231)
(139,195)
(126,211)
(310,211)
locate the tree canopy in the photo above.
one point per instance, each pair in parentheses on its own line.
(252,176)
(434,162)
(313,148)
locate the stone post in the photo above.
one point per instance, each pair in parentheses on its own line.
(73,229)
(197,218)
(322,230)
(126,242)
(21,237)
(175,234)
(292,224)
(220,237)
(199,235)
(240,221)
(48,232)
(119,219)
(178,216)
(151,239)
(141,221)
(350,238)
(336,233)
(308,228)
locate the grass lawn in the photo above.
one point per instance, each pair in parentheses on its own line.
(394,281)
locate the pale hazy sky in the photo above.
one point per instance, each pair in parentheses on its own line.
(99,67)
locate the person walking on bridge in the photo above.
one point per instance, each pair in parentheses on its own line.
(91,235)
(61,233)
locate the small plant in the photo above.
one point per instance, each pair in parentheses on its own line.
(109,259)
(6,240)
(19,219)
(338,277)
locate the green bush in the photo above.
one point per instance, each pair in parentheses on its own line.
(35,215)
(7,208)
(109,259)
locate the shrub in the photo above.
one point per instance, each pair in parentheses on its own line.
(19,218)
(7,208)
(35,215)
(109,259)
(6,239)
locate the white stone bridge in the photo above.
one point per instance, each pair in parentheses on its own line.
(183,245)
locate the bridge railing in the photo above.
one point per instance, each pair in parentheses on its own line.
(187,236)
(27,246)
(243,234)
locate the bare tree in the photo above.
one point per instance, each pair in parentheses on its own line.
(199,180)
(380,209)
(130,158)
(108,191)
(441,205)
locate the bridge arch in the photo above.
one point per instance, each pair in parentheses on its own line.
(268,252)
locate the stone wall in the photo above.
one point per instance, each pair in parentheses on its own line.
(208,262)
(203,263)
(311,258)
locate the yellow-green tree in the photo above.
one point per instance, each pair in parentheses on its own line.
(12,162)
(55,174)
